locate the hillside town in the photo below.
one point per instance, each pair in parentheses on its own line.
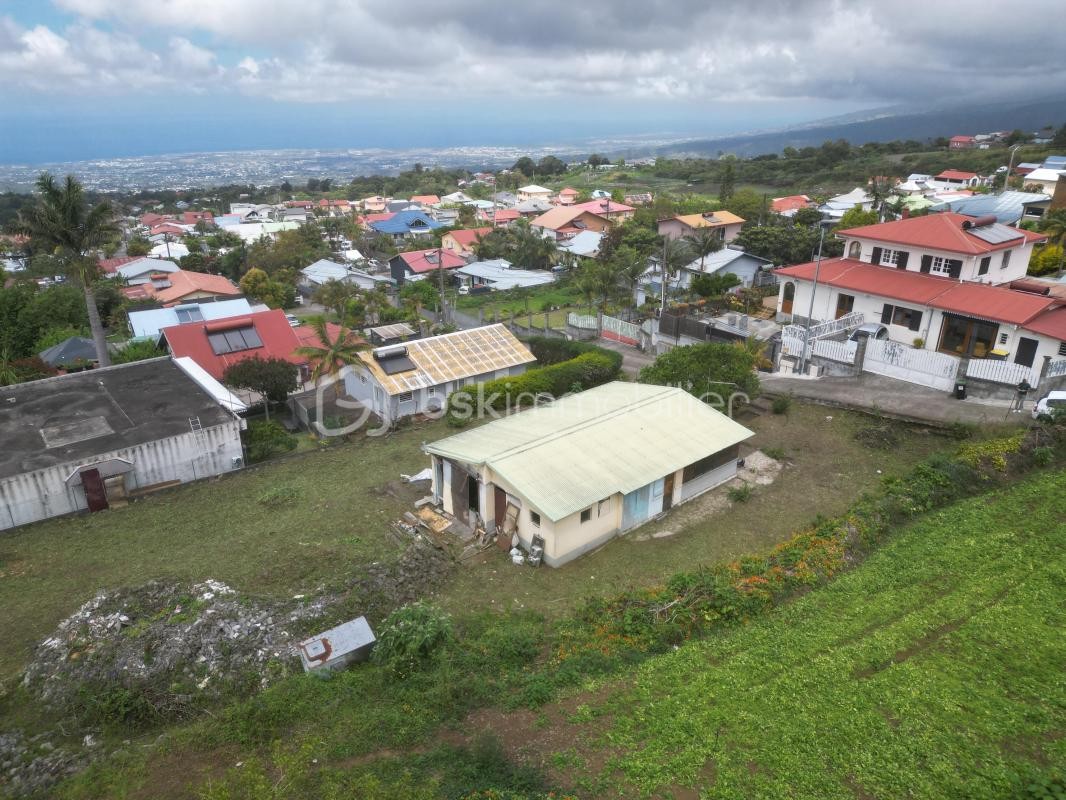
(726,469)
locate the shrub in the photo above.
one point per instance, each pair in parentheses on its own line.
(264,439)
(782,404)
(584,371)
(776,453)
(411,638)
(742,493)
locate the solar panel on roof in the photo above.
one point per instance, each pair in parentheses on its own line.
(995,234)
(395,364)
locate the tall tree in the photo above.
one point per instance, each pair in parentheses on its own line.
(62,221)
(728,181)
(1054,226)
(703,242)
(333,353)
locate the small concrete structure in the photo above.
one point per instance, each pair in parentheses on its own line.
(338,647)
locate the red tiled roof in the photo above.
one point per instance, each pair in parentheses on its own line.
(467,237)
(167,227)
(278,337)
(603,206)
(151,218)
(956,175)
(182,284)
(368,218)
(192,217)
(417,260)
(1050,323)
(942,231)
(570,192)
(972,299)
(111,265)
(426,199)
(790,203)
(502,215)
(962,139)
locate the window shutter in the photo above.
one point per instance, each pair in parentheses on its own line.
(986,262)
(916,320)
(927,263)
(902,262)
(954,267)
(876,258)
(886,315)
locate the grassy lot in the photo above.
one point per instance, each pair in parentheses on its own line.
(826,469)
(934,670)
(348,494)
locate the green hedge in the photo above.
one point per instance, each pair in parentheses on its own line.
(577,374)
(553,350)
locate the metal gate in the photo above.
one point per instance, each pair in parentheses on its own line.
(895,360)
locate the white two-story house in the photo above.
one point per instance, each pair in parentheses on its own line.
(944,282)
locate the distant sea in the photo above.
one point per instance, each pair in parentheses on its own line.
(180,171)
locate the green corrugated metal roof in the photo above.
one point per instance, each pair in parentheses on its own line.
(580,449)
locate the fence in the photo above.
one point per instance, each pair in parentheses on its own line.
(836,351)
(895,360)
(620,331)
(584,321)
(1056,368)
(846,323)
(1002,372)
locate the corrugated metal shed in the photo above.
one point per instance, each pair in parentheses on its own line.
(338,647)
(581,449)
(452,357)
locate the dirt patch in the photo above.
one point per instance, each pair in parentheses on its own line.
(879,437)
(857,789)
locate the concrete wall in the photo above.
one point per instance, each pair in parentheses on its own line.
(43,493)
(706,481)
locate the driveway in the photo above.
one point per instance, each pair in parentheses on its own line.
(632,359)
(893,398)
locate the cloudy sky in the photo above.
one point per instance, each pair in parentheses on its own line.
(98,78)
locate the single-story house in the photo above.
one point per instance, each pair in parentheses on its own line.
(788,206)
(405,224)
(1009,207)
(417,264)
(578,471)
(836,207)
(533,192)
(426,200)
(169,249)
(375,204)
(958,178)
(148,324)
(585,244)
(77,351)
(455,199)
(417,376)
(564,222)
(217,344)
(499,217)
(727,260)
(174,288)
(324,270)
(607,208)
(1044,179)
(497,273)
(90,440)
(726,223)
(393,333)
(140,270)
(461,242)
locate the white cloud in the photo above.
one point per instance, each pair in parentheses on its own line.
(681,50)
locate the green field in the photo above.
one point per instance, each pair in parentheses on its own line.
(932,671)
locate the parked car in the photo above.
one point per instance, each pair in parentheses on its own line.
(871,330)
(474,289)
(1046,406)
(294,320)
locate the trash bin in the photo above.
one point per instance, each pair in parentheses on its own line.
(960,391)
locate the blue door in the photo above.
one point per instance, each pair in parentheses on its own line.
(635,507)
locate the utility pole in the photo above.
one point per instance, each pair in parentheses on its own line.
(814,291)
(440,273)
(1010,167)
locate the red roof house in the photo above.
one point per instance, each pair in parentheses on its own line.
(220,343)
(791,204)
(962,142)
(462,241)
(942,231)
(172,288)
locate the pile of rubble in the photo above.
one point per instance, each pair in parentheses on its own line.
(30,766)
(177,636)
(420,570)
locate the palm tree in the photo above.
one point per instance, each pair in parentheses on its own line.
(674,255)
(704,241)
(756,348)
(1053,225)
(62,221)
(333,353)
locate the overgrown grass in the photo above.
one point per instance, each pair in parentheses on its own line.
(934,670)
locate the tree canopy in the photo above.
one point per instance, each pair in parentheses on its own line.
(272,378)
(707,371)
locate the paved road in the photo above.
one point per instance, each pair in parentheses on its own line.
(632,359)
(893,398)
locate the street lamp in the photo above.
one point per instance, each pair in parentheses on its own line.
(814,291)
(1010,166)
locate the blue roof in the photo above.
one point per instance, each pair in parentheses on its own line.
(1055,162)
(1008,206)
(403,221)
